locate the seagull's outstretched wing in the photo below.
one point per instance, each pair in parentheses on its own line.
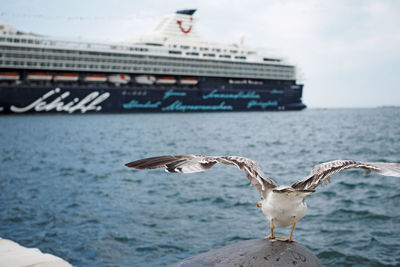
(321,173)
(197,163)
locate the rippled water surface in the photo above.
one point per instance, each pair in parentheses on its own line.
(65,190)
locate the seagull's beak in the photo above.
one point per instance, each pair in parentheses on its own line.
(259,204)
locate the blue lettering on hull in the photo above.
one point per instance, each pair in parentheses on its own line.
(179,106)
(262,105)
(239,95)
(171,92)
(276,92)
(136,104)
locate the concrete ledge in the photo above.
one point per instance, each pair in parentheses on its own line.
(13,255)
(256,252)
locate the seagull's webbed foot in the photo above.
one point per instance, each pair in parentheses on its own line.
(270,237)
(285,239)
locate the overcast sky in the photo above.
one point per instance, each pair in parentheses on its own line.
(347,52)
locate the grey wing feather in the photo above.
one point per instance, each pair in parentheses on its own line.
(198,163)
(321,173)
(253,172)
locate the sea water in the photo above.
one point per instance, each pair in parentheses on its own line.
(65,190)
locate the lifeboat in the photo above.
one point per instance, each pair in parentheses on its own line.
(188,81)
(95,78)
(65,77)
(165,80)
(9,76)
(145,79)
(119,79)
(39,76)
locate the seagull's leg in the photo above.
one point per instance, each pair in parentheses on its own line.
(291,231)
(271,227)
(290,239)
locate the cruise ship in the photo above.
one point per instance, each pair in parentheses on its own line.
(172,69)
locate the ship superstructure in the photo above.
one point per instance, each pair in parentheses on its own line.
(139,74)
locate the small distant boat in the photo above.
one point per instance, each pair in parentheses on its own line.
(166,80)
(9,76)
(95,78)
(188,81)
(66,77)
(145,79)
(119,79)
(39,76)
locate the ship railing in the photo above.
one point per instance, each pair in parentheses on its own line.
(32,41)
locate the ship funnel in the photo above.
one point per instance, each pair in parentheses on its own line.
(175,28)
(186,11)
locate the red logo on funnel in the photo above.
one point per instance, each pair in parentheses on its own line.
(186,31)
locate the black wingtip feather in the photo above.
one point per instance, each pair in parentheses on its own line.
(148,163)
(155,162)
(132,164)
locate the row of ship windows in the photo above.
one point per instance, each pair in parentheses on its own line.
(50,42)
(205,54)
(151,64)
(218,50)
(71,52)
(57,52)
(19,40)
(130,68)
(277,68)
(72,64)
(82,53)
(67,43)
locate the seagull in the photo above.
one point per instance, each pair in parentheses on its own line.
(282,205)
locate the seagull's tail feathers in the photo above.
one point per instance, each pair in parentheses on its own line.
(292,191)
